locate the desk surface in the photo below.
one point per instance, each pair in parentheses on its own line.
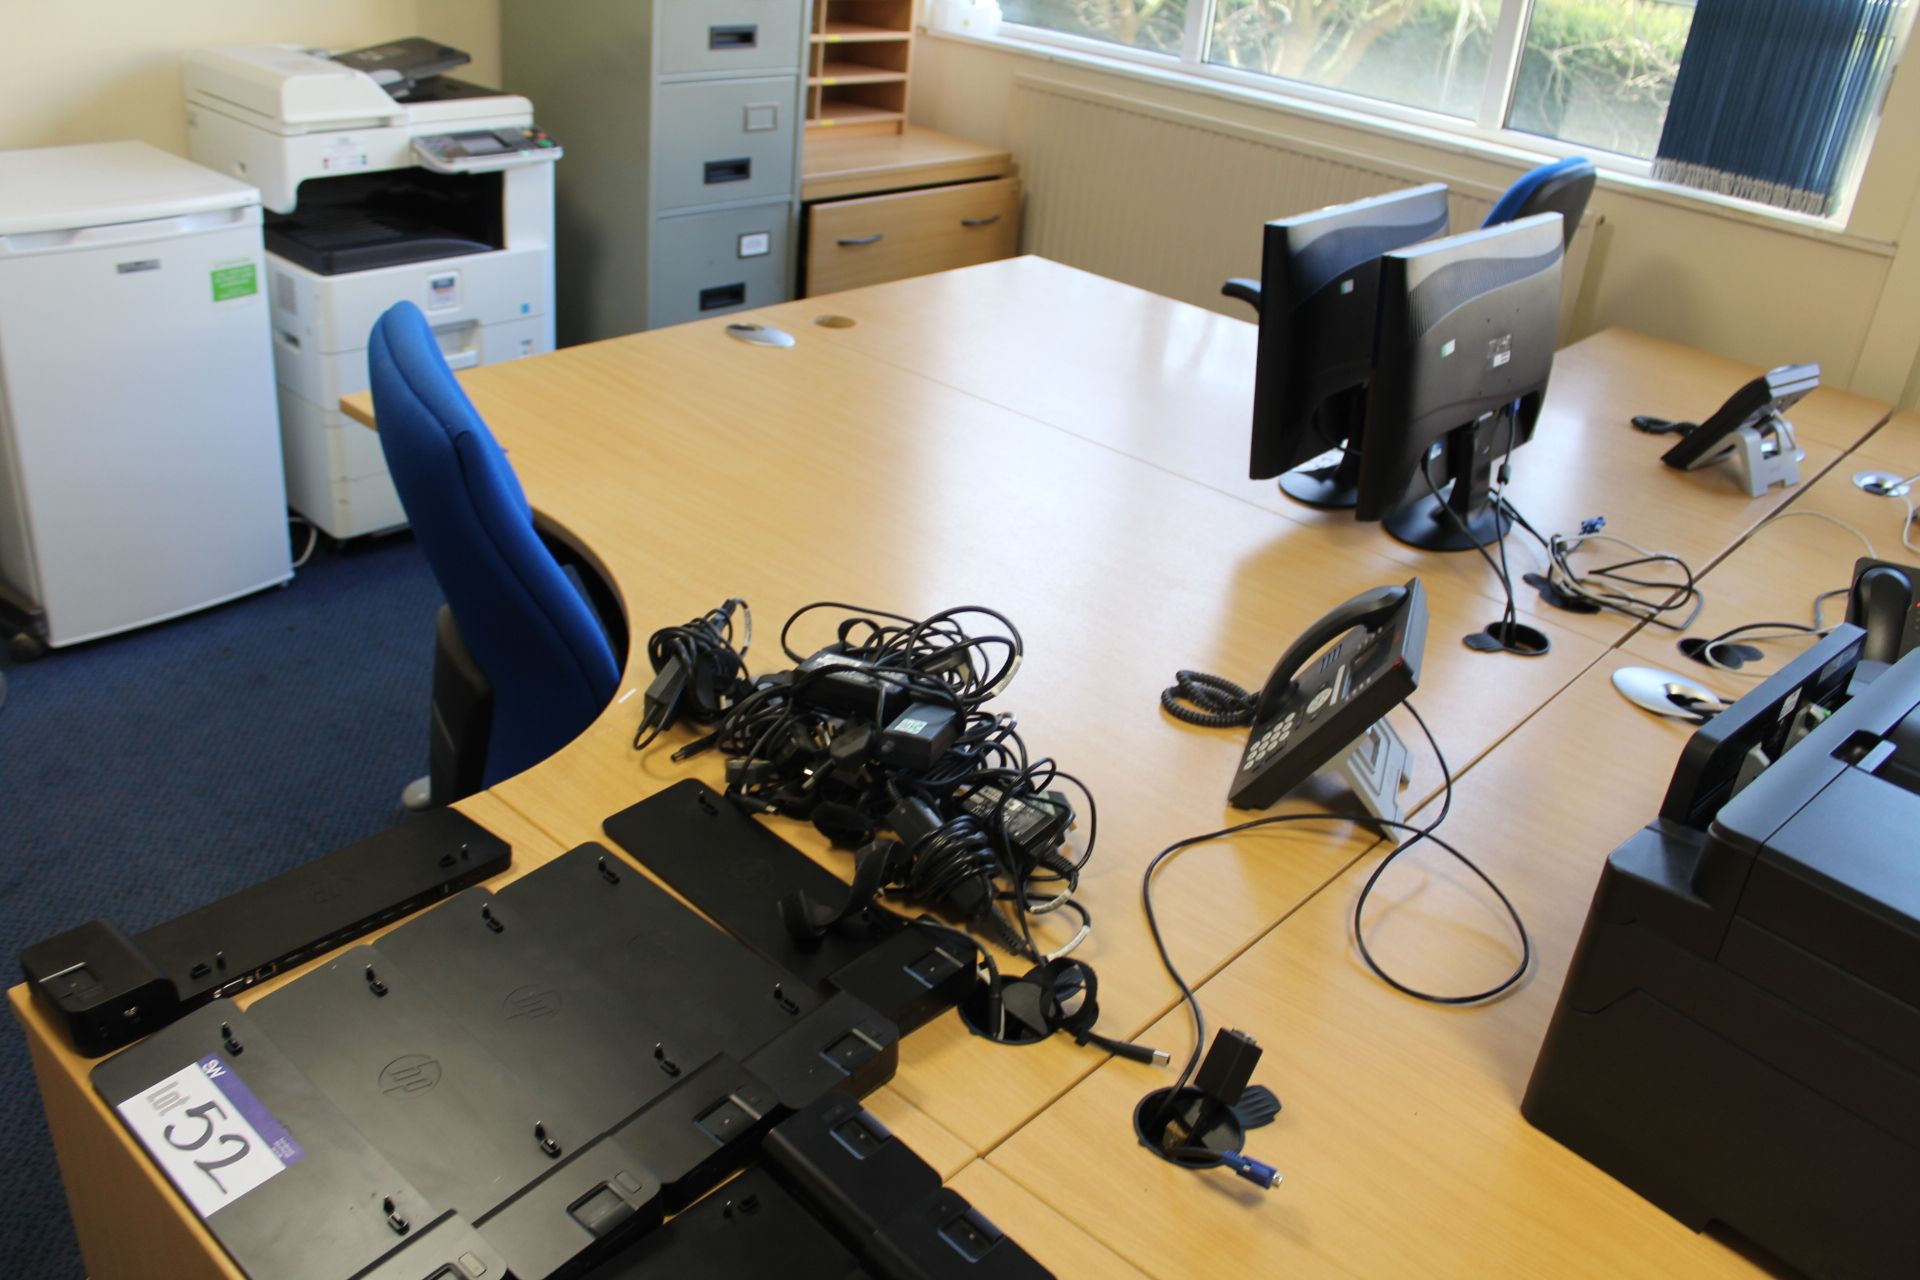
(1172,385)
(833,165)
(1401,1136)
(1216,585)
(925,458)
(1809,547)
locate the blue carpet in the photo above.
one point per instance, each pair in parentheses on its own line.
(148,774)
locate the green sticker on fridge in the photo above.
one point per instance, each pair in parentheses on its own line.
(234,280)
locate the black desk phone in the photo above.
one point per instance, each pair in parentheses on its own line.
(1304,719)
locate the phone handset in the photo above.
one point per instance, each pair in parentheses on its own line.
(1373,645)
(1368,609)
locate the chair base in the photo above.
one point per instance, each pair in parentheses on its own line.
(417,796)
(462,720)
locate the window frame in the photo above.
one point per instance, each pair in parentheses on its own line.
(1489,125)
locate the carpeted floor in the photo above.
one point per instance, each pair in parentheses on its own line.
(150,773)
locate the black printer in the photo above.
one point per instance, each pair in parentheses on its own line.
(1738,1038)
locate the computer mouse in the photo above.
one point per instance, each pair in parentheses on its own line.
(760,335)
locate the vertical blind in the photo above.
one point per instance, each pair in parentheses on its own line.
(1772,97)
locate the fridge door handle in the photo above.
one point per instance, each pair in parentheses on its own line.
(127,232)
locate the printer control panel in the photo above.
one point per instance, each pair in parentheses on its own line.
(482,150)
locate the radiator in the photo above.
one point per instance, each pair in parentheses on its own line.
(1173,201)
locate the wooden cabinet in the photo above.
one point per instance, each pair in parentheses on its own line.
(881,199)
(882,208)
(851,243)
(858,59)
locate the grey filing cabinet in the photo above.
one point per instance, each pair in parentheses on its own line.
(681,120)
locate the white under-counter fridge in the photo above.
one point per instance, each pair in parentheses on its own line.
(140,474)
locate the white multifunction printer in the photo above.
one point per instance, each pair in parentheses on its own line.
(383,179)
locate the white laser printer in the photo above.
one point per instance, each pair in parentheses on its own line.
(383,179)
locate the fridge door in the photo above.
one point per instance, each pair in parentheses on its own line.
(137,374)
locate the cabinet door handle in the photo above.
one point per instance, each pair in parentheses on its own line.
(987,221)
(875,238)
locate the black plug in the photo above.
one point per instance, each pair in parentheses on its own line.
(1228,1067)
(919,736)
(662,701)
(1222,1081)
(846,757)
(750,775)
(913,820)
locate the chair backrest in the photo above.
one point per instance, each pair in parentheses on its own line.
(1561,187)
(525,623)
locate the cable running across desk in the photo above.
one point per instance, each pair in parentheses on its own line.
(1711,650)
(1611,586)
(1417,834)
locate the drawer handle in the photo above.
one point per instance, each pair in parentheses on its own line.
(987,221)
(740,170)
(875,238)
(721,296)
(740,37)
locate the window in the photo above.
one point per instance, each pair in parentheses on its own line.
(1593,75)
(1154,25)
(1600,74)
(1429,53)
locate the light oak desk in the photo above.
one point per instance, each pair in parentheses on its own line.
(1775,573)
(1172,386)
(1403,1135)
(923,458)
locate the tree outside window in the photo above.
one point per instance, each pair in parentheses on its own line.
(1153,25)
(1594,72)
(1600,72)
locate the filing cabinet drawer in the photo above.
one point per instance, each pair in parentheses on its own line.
(719,141)
(708,263)
(728,37)
(851,243)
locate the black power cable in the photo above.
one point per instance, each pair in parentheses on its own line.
(1507,634)
(1591,587)
(1417,834)
(698,673)
(979,820)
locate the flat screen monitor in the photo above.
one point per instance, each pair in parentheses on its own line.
(1467,329)
(1319,286)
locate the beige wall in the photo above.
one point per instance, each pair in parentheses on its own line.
(1732,283)
(100,70)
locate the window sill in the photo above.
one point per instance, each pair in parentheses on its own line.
(1460,143)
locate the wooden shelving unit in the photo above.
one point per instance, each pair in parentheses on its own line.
(882,199)
(859,55)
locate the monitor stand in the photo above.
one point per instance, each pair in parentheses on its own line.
(1467,455)
(1332,479)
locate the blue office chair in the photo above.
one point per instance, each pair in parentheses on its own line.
(522,663)
(1561,187)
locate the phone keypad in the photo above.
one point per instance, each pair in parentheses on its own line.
(1271,741)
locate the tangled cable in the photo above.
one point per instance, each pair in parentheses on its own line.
(698,673)
(881,738)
